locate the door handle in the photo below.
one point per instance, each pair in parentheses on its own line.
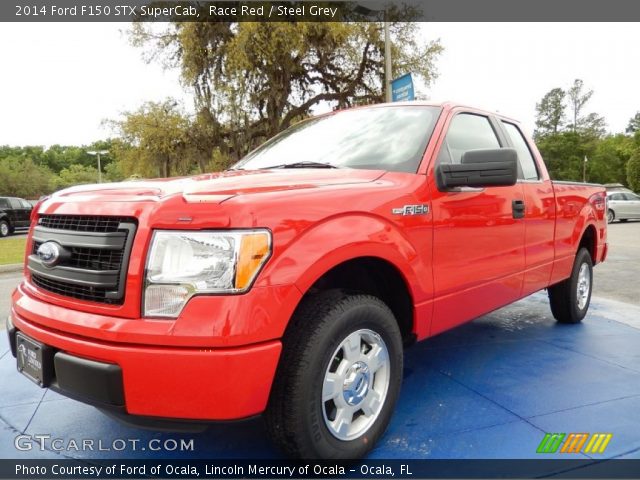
(517,206)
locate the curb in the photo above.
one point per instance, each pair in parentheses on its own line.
(13,267)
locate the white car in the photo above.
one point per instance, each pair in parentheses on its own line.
(623,205)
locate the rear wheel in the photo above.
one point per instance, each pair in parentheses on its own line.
(4,228)
(570,299)
(610,216)
(338,379)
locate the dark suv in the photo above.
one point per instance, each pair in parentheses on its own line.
(14,213)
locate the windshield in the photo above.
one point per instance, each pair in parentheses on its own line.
(385,138)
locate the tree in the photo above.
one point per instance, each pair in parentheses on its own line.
(22,177)
(577,101)
(550,113)
(634,124)
(252,80)
(154,140)
(591,124)
(633,172)
(608,159)
(75,175)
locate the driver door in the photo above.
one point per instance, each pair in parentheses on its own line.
(478,238)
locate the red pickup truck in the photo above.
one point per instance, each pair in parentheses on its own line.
(290,283)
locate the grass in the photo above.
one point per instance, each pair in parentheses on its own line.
(12,250)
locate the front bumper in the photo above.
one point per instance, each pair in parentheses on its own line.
(175,381)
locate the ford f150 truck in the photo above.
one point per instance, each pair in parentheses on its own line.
(290,283)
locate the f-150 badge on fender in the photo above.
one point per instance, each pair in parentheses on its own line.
(411,210)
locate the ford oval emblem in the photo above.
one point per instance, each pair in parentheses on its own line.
(49,253)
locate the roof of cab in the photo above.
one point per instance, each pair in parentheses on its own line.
(449,105)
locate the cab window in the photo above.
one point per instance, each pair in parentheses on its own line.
(467,131)
(525,158)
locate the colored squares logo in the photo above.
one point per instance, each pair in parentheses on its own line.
(574,443)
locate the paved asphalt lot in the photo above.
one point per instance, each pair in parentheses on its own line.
(488,389)
(19,234)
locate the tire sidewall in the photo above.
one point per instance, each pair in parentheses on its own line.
(610,216)
(7,229)
(583,257)
(363,316)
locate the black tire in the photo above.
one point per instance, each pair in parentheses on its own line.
(5,229)
(611,216)
(296,416)
(564,297)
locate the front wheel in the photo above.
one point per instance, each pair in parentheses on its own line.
(4,228)
(338,379)
(570,299)
(610,216)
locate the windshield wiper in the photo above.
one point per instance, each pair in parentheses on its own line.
(304,165)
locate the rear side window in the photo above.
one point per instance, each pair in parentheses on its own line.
(15,203)
(4,203)
(527,162)
(467,132)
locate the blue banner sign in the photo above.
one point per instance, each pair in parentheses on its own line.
(402,89)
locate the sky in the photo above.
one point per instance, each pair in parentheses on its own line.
(59,81)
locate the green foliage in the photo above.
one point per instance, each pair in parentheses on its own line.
(252,80)
(33,171)
(75,175)
(634,124)
(550,112)
(154,140)
(22,177)
(564,145)
(633,171)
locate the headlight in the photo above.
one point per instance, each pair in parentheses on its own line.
(183,263)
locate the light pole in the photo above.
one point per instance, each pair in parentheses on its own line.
(387,59)
(97,154)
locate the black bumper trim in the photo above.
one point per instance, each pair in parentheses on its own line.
(90,381)
(11,332)
(97,383)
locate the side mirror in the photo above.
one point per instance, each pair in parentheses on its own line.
(494,167)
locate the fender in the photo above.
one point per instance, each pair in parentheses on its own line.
(302,263)
(563,263)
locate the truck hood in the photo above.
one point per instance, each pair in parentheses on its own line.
(218,187)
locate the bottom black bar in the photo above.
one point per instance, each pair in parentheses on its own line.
(268,469)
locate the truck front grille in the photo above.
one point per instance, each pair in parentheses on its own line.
(94,256)
(82,223)
(92,294)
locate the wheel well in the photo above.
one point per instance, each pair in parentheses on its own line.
(377,277)
(588,241)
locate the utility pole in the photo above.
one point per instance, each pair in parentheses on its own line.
(387,59)
(97,153)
